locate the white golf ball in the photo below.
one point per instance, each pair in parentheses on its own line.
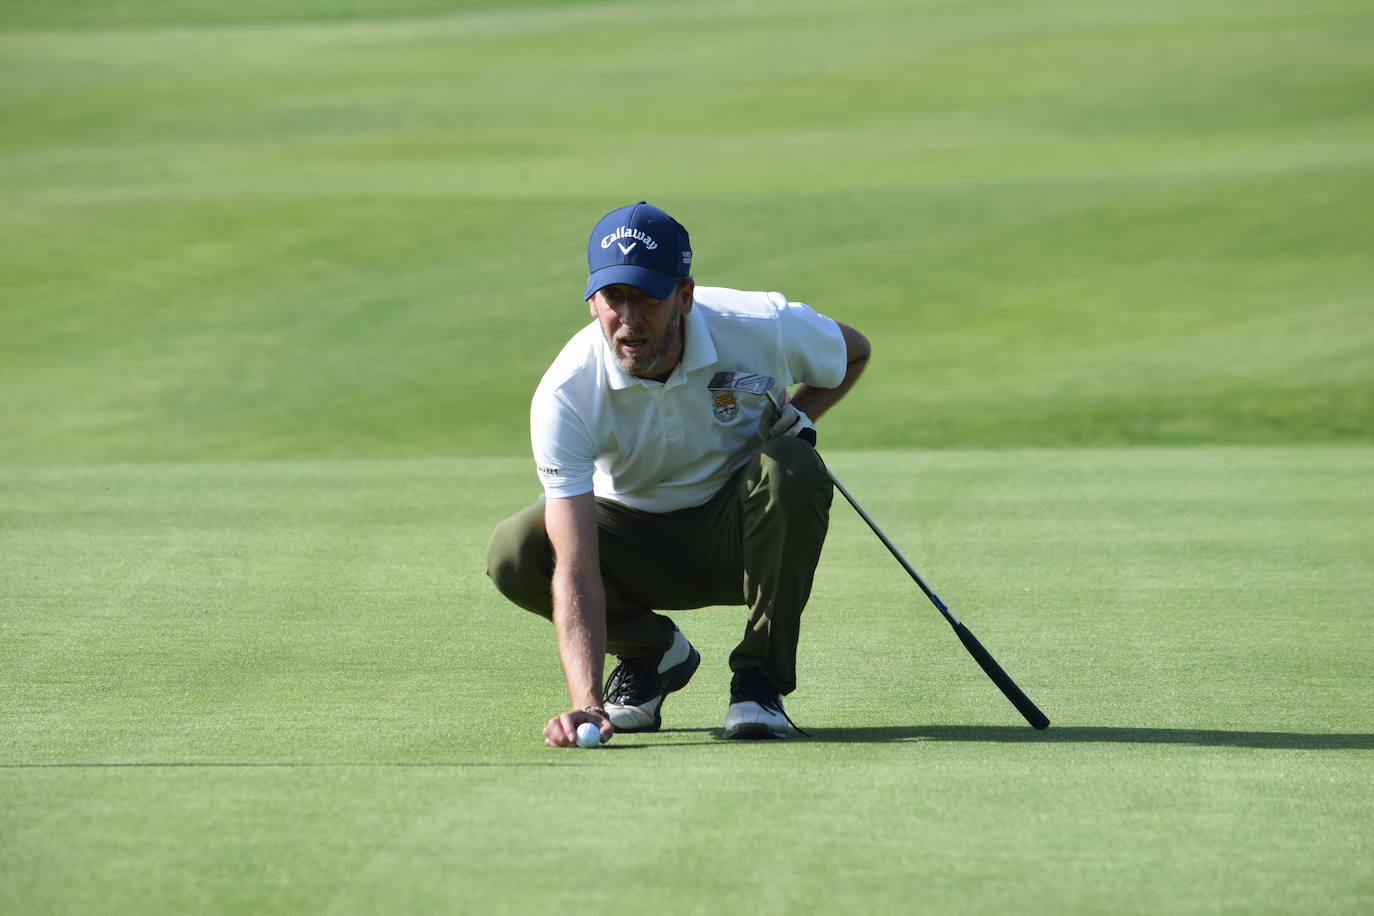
(588,735)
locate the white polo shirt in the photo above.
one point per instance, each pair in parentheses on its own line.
(661,446)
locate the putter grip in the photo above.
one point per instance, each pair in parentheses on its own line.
(1023,703)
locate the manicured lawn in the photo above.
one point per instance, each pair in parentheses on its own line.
(287,687)
(280,278)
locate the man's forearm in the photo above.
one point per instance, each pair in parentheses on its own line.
(579,619)
(815,401)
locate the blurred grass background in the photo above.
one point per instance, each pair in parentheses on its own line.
(356,229)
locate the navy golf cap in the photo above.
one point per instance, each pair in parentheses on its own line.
(640,246)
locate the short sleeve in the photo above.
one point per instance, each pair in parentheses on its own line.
(813,345)
(563,452)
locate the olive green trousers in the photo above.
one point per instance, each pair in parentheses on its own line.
(756,543)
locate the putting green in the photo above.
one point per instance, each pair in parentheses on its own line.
(279,279)
(287,686)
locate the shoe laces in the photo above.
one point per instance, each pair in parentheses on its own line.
(632,679)
(753,687)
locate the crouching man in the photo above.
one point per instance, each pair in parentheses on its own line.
(665,488)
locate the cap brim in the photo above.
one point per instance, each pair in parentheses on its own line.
(652,282)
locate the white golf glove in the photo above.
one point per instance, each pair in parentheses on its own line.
(787,421)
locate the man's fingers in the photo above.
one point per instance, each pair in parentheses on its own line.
(789,421)
(602,723)
(558,734)
(561,731)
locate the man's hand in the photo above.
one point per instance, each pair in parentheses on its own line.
(562,730)
(786,421)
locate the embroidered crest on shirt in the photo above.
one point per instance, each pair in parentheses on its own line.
(724,405)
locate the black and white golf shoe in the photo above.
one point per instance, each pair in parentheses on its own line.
(755,707)
(634,692)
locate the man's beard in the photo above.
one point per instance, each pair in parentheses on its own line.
(641,364)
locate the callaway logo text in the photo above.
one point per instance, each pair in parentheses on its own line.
(626,233)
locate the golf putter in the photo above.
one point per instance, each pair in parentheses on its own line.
(763,385)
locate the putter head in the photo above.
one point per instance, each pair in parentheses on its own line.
(741,381)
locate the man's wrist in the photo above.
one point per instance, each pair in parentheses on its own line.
(595,709)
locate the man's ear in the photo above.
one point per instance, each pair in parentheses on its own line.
(685,289)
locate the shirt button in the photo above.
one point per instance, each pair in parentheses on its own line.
(670,411)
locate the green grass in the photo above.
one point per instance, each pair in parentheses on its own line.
(279,279)
(363,238)
(287,687)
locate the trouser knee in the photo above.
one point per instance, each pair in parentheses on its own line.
(520,560)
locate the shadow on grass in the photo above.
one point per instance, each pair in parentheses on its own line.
(888,734)
(277,765)
(998,734)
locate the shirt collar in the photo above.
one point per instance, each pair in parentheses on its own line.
(700,349)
